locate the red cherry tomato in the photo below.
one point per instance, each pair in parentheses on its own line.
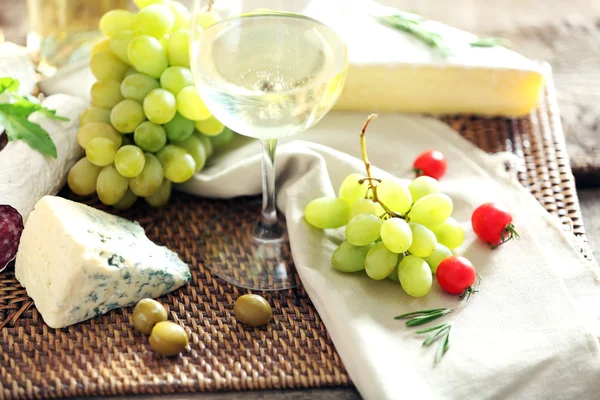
(455,274)
(431,163)
(493,224)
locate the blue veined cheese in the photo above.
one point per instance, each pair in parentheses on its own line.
(77,262)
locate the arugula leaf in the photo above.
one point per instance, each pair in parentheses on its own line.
(19,128)
(9,85)
(14,117)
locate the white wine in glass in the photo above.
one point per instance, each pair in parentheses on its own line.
(265,74)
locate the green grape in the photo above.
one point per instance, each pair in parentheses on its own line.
(101,151)
(394,195)
(116,21)
(155,20)
(431,210)
(396,235)
(149,180)
(82,177)
(210,126)
(126,201)
(94,114)
(145,3)
(351,190)
(179,128)
(147,55)
(437,256)
(127,115)
(106,66)
(350,258)
(97,129)
(106,94)
(223,139)
(120,43)
(161,196)
(111,185)
(191,105)
(365,206)
(137,86)
(129,161)
(380,262)
(178,164)
(422,186)
(176,78)
(179,48)
(393,276)
(194,146)
(206,19)
(326,213)
(208,145)
(415,276)
(449,233)
(363,229)
(159,106)
(150,137)
(423,240)
(102,45)
(181,15)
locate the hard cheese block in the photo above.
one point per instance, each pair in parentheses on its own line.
(391,70)
(77,262)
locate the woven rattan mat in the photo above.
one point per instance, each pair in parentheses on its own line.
(104,356)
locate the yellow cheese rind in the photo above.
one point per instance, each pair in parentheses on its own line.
(435,90)
(394,71)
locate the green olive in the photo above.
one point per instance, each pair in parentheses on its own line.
(148,313)
(253,310)
(168,338)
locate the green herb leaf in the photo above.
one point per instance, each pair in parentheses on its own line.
(19,128)
(411,23)
(14,117)
(9,85)
(484,41)
(52,114)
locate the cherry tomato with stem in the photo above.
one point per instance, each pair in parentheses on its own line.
(430,163)
(492,223)
(456,275)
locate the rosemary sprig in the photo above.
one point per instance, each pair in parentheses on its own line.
(413,24)
(441,333)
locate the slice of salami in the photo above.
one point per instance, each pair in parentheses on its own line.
(11,227)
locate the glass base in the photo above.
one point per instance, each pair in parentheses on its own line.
(247,254)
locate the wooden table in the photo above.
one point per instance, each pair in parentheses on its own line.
(567,34)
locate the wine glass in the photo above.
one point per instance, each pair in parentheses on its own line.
(266,73)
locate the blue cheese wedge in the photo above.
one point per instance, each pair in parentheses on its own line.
(77,262)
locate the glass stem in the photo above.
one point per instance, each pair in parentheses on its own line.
(269,209)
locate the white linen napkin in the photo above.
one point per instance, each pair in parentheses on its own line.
(532,331)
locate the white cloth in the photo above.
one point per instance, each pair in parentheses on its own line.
(532,332)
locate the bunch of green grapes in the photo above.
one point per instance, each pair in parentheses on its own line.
(147,126)
(395,231)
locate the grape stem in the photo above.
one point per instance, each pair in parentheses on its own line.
(210,5)
(369,178)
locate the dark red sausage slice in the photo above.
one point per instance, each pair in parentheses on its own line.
(11,227)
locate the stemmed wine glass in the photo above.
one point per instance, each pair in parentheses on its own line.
(266,73)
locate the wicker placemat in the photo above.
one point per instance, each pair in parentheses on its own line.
(104,356)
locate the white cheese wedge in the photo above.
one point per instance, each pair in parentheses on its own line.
(390,70)
(77,262)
